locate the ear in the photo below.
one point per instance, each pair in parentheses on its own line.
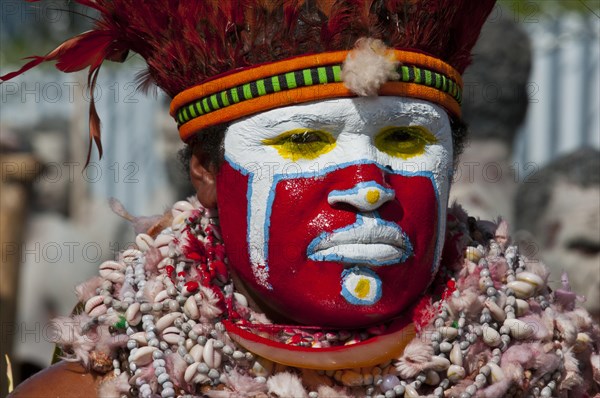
(204,181)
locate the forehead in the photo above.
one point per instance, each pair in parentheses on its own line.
(354,114)
(575,207)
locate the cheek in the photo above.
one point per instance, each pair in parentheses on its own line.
(232,188)
(418,210)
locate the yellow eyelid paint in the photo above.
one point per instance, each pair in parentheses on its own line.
(404,142)
(303,143)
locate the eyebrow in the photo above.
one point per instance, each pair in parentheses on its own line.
(330,119)
(308,118)
(584,244)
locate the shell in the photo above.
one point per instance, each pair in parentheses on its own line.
(189,344)
(531,278)
(99,310)
(144,242)
(163,240)
(95,306)
(240,299)
(522,307)
(115,277)
(262,367)
(496,373)
(211,357)
(518,329)
(456,373)
(482,282)
(491,337)
(522,289)
(180,207)
(432,378)
(171,335)
(201,379)
(196,352)
(164,262)
(143,356)
(130,255)
(473,254)
(112,266)
(438,364)
(133,314)
(161,296)
(410,392)
(190,372)
(456,356)
(190,308)
(497,312)
(93,302)
(448,332)
(140,337)
(445,346)
(351,378)
(113,271)
(367,376)
(179,221)
(167,320)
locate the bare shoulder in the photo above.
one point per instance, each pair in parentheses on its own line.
(63,379)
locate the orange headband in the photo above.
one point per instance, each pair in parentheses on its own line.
(303,79)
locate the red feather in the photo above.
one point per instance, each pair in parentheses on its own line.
(94,118)
(29,65)
(193,249)
(87,49)
(185,43)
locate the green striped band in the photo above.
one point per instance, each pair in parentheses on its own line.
(305,78)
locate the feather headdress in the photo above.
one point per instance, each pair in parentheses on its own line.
(187,44)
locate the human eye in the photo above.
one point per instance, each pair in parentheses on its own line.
(404,142)
(302,143)
(584,246)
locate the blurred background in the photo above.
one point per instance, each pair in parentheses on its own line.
(531,97)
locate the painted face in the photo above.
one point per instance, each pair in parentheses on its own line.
(333,212)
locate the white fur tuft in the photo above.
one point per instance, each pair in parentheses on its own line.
(368,66)
(115,387)
(286,385)
(330,392)
(87,289)
(241,386)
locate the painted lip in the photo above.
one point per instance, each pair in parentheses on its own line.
(370,241)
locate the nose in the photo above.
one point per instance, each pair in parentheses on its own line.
(364,196)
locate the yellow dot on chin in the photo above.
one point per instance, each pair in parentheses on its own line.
(372,196)
(362,288)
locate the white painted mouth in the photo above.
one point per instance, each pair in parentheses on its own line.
(370,240)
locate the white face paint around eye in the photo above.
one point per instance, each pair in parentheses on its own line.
(335,210)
